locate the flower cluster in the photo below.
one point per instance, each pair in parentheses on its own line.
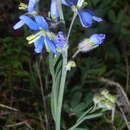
(105,100)
(39,25)
(86,16)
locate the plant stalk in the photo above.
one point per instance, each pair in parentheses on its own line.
(61,89)
(71,25)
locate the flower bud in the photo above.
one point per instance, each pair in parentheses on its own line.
(22,6)
(54,11)
(86,45)
(104,92)
(111,98)
(70,65)
(109,105)
(60,40)
(97,39)
(98,98)
(101,104)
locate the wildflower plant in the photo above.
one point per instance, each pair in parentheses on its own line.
(57,45)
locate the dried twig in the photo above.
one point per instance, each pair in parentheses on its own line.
(19,124)
(125,55)
(10,108)
(43,96)
(124,116)
(41,120)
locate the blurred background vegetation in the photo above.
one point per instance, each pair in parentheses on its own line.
(25,81)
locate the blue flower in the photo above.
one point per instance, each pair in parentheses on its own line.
(86,16)
(88,44)
(24,19)
(40,38)
(97,39)
(60,40)
(54,11)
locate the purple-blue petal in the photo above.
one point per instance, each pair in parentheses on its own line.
(60,40)
(54,9)
(85,18)
(29,22)
(97,19)
(40,20)
(38,44)
(64,2)
(97,39)
(18,25)
(69,2)
(50,45)
(32,5)
(90,12)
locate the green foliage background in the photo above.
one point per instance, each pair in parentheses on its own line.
(21,69)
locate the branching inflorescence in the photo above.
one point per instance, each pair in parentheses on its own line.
(57,43)
(52,42)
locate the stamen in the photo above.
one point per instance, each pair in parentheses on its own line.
(33,40)
(33,36)
(43,32)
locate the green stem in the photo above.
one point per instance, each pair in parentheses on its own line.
(54,100)
(81,118)
(60,10)
(61,89)
(71,25)
(85,118)
(53,94)
(85,113)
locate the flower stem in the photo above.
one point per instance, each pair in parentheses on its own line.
(71,25)
(61,89)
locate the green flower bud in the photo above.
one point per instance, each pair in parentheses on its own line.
(101,104)
(98,98)
(22,6)
(109,105)
(104,92)
(112,98)
(70,65)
